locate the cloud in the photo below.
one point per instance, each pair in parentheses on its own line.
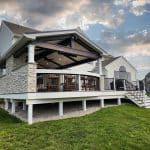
(50,14)
(137,7)
(137,50)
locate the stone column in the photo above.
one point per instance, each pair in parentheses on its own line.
(61,109)
(30,113)
(31,51)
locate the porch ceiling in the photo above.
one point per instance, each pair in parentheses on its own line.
(60,56)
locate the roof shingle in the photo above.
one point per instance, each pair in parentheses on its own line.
(18,29)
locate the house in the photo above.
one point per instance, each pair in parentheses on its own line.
(36,69)
(147,82)
(117,68)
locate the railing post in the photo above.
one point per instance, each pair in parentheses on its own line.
(124,84)
(143,85)
(79,83)
(114,81)
(61,84)
(138,84)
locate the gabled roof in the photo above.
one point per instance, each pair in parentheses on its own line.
(33,34)
(28,35)
(77,32)
(18,29)
(109,60)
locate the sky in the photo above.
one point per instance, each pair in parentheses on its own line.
(121,27)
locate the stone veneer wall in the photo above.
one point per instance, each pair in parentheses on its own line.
(19,80)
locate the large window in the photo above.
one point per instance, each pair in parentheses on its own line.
(70,83)
(89,83)
(65,82)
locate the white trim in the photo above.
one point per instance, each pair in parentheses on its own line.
(53,97)
(69,96)
(66,71)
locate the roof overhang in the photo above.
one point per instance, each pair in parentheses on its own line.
(26,39)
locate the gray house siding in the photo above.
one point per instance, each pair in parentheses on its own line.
(6,39)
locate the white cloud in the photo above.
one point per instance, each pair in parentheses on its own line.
(50,14)
(137,50)
(137,7)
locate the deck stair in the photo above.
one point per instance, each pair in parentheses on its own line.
(139,98)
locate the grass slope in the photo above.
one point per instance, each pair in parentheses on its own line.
(122,127)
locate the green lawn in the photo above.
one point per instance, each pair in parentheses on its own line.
(115,128)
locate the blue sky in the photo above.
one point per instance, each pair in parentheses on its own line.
(121,27)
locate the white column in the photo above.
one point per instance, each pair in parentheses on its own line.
(61,109)
(13,106)
(100,71)
(114,84)
(6,104)
(119,101)
(84,105)
(23,106)
(102,103)
(30,113)
(31,51)
(79,83)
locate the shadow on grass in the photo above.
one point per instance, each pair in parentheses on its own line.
(5,118)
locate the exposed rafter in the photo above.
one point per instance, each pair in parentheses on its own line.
(42,55)
(76,63)
(64,49)
(70,57)
(50,60)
